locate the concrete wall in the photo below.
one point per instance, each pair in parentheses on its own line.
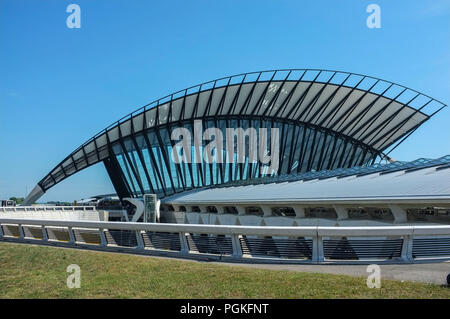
(92,215)
(302,215)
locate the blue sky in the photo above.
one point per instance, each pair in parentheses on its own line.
(60,86)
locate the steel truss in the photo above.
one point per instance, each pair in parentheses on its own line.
(327,119)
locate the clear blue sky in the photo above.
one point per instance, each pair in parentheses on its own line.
(60,86)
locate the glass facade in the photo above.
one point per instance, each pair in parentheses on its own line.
(147,162)
(326,120)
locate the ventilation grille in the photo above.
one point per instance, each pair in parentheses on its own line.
(125,238)
(10,231)
(165,241)
(431,247)
(87,236)
(58,233)
(299,248)
(362,249)
(32,232)
(206,244)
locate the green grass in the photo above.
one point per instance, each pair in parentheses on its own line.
(28,271)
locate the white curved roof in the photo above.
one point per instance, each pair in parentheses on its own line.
(427,183)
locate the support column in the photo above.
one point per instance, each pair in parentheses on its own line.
(103,241)
(407,247)
(241,210)
(299,211)
(341,212)
(184,245)
(21,234)
(267,210)
(203,208)
(236,244)
(317,253)
(220,209)
(399,213)
(140,241)
(44,233)
(71,236)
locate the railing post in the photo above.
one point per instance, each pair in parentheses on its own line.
(21,234)
(103,241)
(407,247)
(320,248)
(317,253)
(183,243)
(140,241)
(236,244)
(44,233)
(71,236)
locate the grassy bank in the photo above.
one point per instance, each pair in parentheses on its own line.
(28,271)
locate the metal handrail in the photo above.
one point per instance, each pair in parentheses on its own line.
(319,234)
(45,208)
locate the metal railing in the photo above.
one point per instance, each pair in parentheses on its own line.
(45,208)
(243,243)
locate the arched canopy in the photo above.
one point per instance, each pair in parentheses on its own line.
(328,119)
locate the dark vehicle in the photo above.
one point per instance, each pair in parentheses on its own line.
(7,203)
(109,204)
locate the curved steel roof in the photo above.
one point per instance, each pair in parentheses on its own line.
(372,112)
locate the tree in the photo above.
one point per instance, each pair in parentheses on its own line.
(18,200)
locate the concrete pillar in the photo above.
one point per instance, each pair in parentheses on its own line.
(317,250)
(399,213)
(44,233)
(72,239)
(21,232)
(183,243)
(241,210)
(341,212)
(220,209)
(140,240)
(267,210)
(236,244)
(299,211)
(407,247)
(103,241)
(203,208)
